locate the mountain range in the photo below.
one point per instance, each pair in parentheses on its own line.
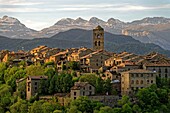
(148,30)
(82,38)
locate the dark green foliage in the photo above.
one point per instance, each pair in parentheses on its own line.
(90,78)
(84,105)
(73,65)
(99,85)
(19,107)
(107,86)
(35,70)
(3,67)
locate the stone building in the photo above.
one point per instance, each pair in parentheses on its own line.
(82,89)
(75,56)
(162,69)
(98,38)
(10,56)
(93,61)
(32,85)
(136,79)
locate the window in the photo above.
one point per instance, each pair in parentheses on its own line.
(132,75)
(132,82)
(101,57)
(95,43)
(96,60)
(151,81)
(35,88)
(99,43)
(74,98)
(28,89)
(141,82)
(147,81)
(137,75)
(166,70)
(96,64)
(159,71)
(159,75)
(83,93)
(141,75)
(35,83)
(137,82)
(166,76)
(74,93)
(90,88)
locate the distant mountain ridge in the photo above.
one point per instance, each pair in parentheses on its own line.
(13,28)
(76,38)
(148,30)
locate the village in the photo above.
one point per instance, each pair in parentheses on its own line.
(127,72)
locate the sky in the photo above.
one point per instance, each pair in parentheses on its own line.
(39,14)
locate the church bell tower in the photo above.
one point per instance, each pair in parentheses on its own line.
(98,38)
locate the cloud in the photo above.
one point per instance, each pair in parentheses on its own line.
(18,2)
(24,10)
(79,7)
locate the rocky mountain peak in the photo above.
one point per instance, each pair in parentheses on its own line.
(114,21)
(9,19)
(152,21)
(95,20)
(65,21)
(80,20)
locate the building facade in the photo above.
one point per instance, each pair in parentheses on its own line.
(32,85)
(98,38)
(136,79)
(82,89)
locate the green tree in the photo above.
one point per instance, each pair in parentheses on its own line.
(36,107)
(48,107)
(52,87)
(73,65)
(3,67)
(126,108)
(19,107)
(99,85)
(83,104)
(106,109)
(90,78)
(107,86)
(125,100)
(35,70)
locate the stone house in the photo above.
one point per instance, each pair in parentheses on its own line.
(136,79)
(82,89)
(93,61)
(32,85)
(75,56)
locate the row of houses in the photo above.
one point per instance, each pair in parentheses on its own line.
(128,72)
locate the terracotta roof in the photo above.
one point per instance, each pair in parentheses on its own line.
(159,64)
(95,52)
(60,53)
(138,71)
(79,85)
(38,77)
